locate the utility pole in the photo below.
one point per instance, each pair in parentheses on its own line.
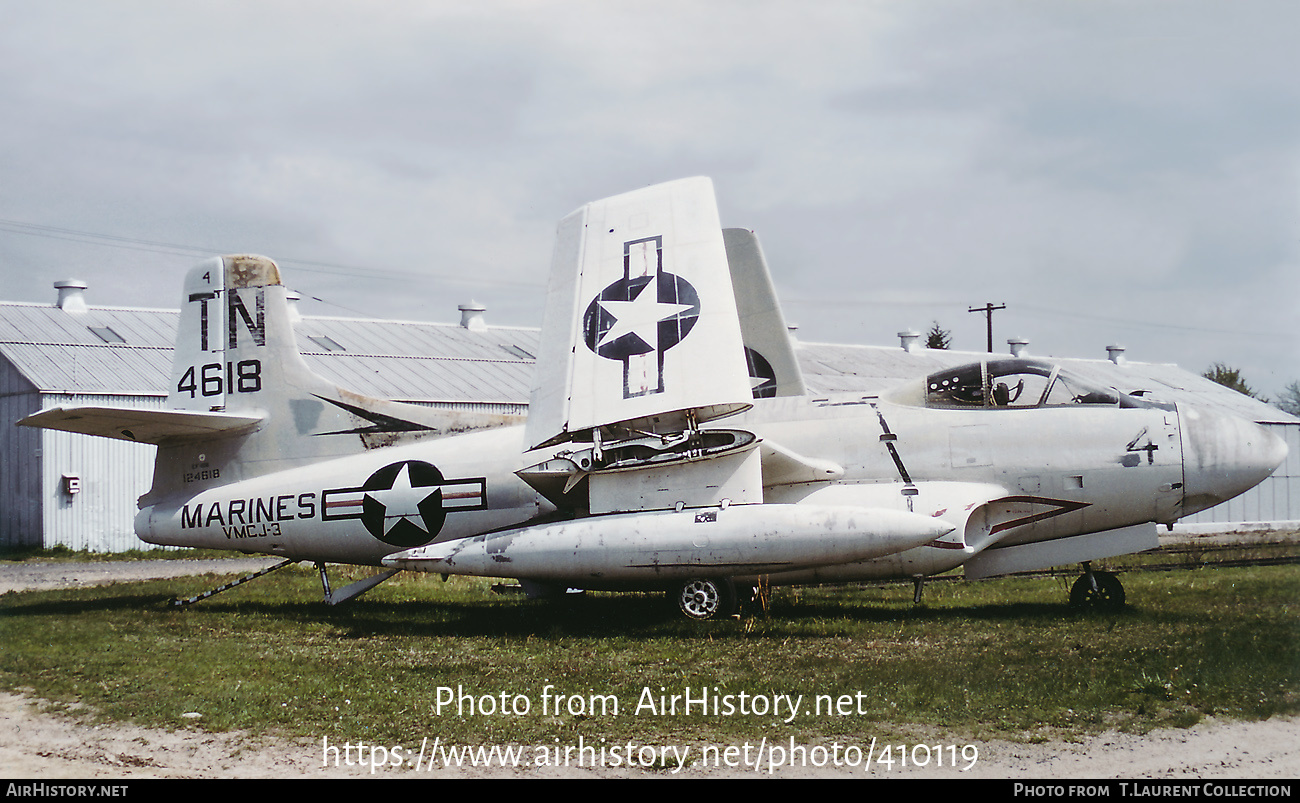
(988,310)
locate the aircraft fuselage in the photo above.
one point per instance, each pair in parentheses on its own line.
(1057,472)
(670,440)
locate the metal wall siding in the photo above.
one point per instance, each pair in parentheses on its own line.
(502,409)
(112,473)
(20,460)
(887,364)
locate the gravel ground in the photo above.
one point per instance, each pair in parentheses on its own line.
(34,576)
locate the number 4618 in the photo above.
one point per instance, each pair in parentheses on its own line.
(214,379)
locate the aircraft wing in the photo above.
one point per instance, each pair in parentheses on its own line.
(641,323)
(641,343)
(141,426)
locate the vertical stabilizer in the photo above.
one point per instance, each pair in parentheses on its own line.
(242,402)
(199,341)
(236,354)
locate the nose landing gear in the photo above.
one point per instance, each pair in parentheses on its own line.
(1098,591)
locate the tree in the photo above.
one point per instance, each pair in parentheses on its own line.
(938,337)
(1229,378)
(1290,399)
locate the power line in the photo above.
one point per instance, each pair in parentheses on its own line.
(1032,310)
(178,249)
(92,238)
(988,310)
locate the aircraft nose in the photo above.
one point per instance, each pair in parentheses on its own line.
(1223,456)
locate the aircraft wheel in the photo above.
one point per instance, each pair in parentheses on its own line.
(1108,595)
(707,598)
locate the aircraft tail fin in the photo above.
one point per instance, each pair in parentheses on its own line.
(769,353)
(236,353)
(243,401)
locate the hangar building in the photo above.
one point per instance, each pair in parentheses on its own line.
(65,489)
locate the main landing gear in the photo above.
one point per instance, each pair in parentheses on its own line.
(1098,591)
(717,598)
(708,598)
(352,590)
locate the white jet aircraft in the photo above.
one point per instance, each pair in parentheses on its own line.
(670,442)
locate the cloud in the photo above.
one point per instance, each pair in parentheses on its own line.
(1113,159)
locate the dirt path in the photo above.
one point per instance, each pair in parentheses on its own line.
(38,576)
(34,744)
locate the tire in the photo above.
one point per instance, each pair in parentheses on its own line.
(1107,596)
(706,598)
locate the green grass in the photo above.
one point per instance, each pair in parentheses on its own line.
(1004,658)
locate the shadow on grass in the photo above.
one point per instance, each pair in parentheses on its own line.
(628,616)
(600,615)
(65,607)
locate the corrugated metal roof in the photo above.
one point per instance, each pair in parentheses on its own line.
(425,378)
(82,368)
(36,323)
(412,339)
(58,352)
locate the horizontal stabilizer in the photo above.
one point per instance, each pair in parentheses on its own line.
(142,426)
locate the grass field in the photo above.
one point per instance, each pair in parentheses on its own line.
(1004,658)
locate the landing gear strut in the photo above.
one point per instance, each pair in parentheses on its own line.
(707,598)
(1098,591)
(353,590)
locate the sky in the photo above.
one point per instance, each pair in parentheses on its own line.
(1112,172)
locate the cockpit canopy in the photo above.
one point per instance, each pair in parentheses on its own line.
(1017,383)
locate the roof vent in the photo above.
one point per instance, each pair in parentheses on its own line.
(471,316)
(1017,345)
(1116,355)
(72,299)
(908,340)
